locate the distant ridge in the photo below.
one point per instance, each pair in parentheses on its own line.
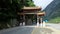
(52,10)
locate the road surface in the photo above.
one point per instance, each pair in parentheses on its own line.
(56,26)
(17,30)
(26,29)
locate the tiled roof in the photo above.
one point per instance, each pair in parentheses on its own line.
(31,8)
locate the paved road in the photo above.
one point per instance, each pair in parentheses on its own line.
(18,30)
(25,29)
(56,26)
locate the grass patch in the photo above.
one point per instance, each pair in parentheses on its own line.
(55,20)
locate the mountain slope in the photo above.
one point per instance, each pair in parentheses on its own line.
(52,10)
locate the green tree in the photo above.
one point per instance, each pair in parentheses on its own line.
(8,10)
(29,3)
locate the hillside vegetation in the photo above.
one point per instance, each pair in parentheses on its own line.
(53,11)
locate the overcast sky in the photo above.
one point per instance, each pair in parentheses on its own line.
(42,3)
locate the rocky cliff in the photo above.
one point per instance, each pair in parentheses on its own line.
(52,10)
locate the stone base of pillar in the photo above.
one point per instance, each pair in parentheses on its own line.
(23,23)
(43,23)
(20,24)
(37,24)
